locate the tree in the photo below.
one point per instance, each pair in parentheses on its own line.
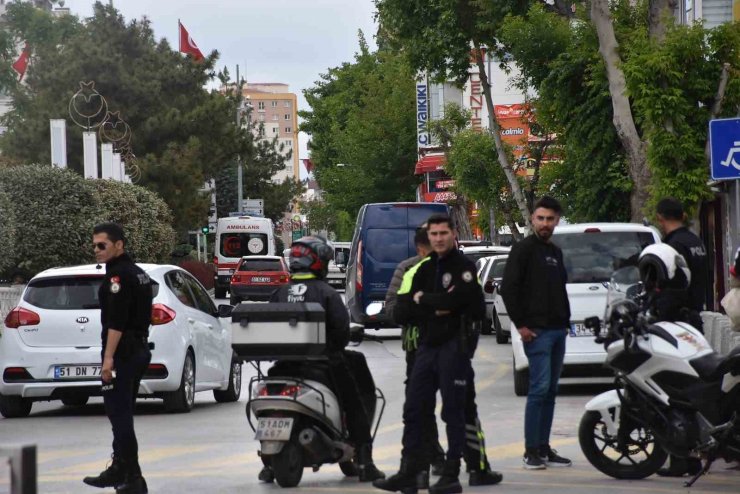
(363,132)
(8,231)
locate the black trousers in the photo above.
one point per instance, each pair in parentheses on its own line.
(119,397)
(349,394)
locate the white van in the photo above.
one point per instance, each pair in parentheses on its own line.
(337,274)
(591,253)
(236,237)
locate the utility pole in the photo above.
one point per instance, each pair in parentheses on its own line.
(239,171)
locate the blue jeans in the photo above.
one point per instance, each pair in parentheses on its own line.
(545,354)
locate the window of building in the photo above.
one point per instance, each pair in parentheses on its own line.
(274,117)
(287,116)
(287,104)
(289,143)
(261,105)
(274,103)
(275,130)
(262,118)
(288,130)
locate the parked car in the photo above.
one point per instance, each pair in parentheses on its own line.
(591,252)
(50,343)
(477,253)
(256,277)
(497,319)
(337,275)
(383,237)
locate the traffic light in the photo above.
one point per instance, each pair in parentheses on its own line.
(205,230)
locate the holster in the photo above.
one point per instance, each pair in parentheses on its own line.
(468,334)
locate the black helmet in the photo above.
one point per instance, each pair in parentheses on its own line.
(311,254)
(662,267)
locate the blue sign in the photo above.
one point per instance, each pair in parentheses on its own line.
(724,139)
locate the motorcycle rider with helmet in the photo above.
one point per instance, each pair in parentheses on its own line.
(309,263)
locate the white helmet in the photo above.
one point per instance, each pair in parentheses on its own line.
(661,266)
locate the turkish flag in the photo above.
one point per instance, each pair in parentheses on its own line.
(187,45)
(308,164)
(21,64)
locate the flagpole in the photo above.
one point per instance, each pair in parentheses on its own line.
(179,36)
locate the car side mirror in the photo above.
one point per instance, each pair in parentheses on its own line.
(224,310)
(489,287)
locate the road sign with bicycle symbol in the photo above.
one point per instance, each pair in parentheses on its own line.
(724,138)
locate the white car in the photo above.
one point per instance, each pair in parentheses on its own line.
(476,253)
(497,318)
(591,252)
(50,343)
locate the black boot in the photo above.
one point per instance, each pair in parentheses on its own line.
(438,464)
(409,479)
(449,482)
(367,471)
(133,482)
(110,477)
(680,467)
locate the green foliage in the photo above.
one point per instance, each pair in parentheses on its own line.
(362,118)
(59,209)
(8,231)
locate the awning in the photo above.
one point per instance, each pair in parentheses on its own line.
(430,163)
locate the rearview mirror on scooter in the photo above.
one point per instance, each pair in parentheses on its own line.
(356,333)
(594,324)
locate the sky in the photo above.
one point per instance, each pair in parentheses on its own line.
(289,41)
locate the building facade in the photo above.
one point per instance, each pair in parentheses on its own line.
(276,109)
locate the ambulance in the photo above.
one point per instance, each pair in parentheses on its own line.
(236,237)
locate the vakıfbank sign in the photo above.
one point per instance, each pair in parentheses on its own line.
(422,115)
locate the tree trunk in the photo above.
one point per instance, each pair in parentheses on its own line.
(509,219)
(460,217)
(493,127)
(624,122)
(660,11)
(717,105)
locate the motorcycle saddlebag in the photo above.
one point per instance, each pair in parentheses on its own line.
(277,331)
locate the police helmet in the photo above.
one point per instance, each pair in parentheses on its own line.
(311,254)
(662,267)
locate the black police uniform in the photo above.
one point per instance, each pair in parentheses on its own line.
(126,305)
(446,347)
(692,249)
(305,287)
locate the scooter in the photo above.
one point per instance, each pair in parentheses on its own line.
(293,409)
(673,393)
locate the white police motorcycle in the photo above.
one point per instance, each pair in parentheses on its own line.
(293,409)
(673,393)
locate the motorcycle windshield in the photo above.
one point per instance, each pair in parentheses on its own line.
(624,283)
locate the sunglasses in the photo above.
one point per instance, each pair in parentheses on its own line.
(100,246)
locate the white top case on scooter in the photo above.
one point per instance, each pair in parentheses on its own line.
(278,331)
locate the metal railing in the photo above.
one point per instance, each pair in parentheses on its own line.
(719,332)
(23,474)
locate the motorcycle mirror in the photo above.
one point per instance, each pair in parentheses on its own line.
(593,323)
(224,310)
(356,333)
(489,287)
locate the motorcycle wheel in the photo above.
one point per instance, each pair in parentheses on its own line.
(288,465)
(642,458)
(349,469)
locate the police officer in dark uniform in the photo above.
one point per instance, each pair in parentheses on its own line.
(447,302)
(309,262)
(126,306)
(671,219)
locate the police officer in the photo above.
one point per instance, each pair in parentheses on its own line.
(309,262)
(445,299)
(126,306)
(475,447)
(671,218)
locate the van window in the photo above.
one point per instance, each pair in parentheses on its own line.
(68,293)
(386,215)
(387,245)
(243,244)
(261,265)
(593,257)
(419,215)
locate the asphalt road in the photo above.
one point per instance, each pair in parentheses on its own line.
(212,449)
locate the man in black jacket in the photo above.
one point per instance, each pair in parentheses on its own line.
(309,261)
(533,289)
(671,219)
(445,299)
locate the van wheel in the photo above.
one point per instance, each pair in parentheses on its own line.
(521,381)
(501,337)
(234,300)
(182,400)
(13,407)
(288,464)
(219,292)
(75,401)
(234,391)
(487,326)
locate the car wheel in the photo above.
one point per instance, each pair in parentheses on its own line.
(182,400)
(521,381)
(75,401)
(501,337)
(234,391)
(234,300)
(219,292)
(12,407)
(487,326)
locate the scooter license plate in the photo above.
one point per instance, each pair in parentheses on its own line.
(274,429)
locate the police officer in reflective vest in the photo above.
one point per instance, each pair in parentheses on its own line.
(446,301)
(126,307)
(309,263)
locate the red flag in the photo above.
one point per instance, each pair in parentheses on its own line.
(21,64)
(308,164)
(187,45)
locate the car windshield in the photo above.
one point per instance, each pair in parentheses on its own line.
(261,265)
(475,256)
(497,270)
(64,293)
(593,256)
(243,244)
